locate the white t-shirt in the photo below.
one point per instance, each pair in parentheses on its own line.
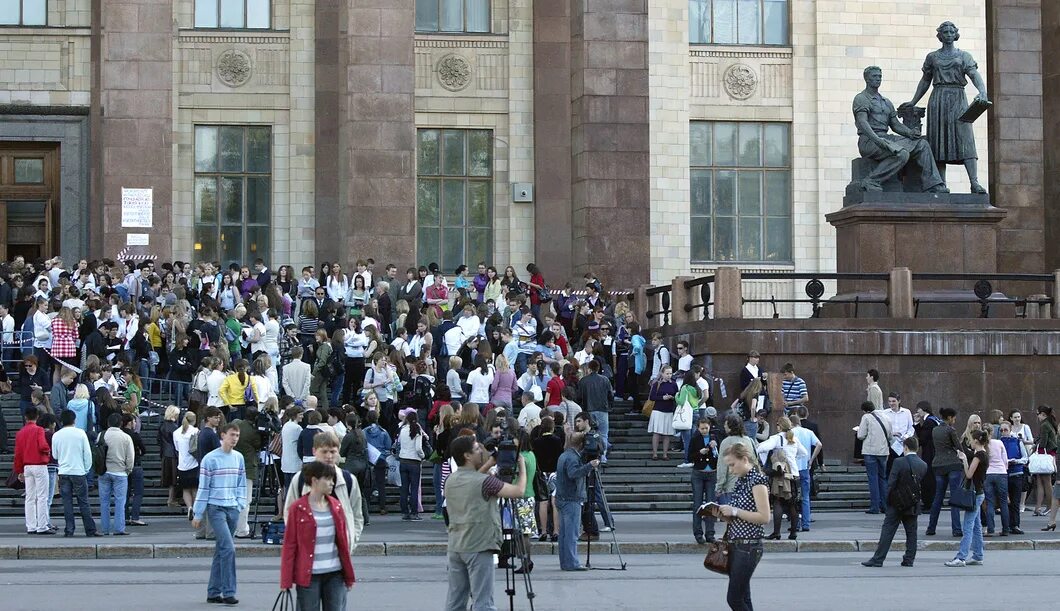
(480,385)
(271,341)
(182,443)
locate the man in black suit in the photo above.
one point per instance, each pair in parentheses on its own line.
(907,469)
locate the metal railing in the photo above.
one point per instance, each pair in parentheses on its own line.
(704,283)
(664,302)
(983,291)
(166,392)
(815,289)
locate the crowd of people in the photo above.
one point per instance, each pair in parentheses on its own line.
(372,376)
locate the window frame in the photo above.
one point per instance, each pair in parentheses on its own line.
(737,168)
(761,27)
(462,32)
(246,12)
(22,17)
(440,176)
(245,174)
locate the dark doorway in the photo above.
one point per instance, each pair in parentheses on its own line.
(29,200)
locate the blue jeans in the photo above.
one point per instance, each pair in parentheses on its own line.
(570,513)
(996,491)
(686,440)
(116,488)
(743,560)
(603,426)
(223,569)
(136,492)
(437,489)
(76,487)
(326,592)
(804,515)
(703,483)
(410,488)
(973,532)
(336,389)
(876,467)
(942,482)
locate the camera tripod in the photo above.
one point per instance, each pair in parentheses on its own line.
(512,537)
(594,485)
(269,480)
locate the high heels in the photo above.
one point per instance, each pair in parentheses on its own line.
(1050,527)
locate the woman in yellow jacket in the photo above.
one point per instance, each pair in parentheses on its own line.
(234,389)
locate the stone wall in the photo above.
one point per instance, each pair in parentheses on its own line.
(1050,36)
(973,365)
(1016,150)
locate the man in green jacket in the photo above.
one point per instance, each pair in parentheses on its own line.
(249,446)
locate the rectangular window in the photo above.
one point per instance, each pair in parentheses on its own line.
(233,14)
(740,192)
(744,22)
(453,16)
(454,196)
(233,192)
(23,12)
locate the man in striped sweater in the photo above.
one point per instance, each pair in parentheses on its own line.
(221,497)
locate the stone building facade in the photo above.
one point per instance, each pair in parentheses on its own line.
(641,139)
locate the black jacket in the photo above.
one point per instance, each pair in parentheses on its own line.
(907,463)
(701,461)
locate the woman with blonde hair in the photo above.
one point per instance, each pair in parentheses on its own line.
(187,476)
(233,391)
(504,383)
(82,408)
(783,451)
(402,309)
(975,423)
(469,417)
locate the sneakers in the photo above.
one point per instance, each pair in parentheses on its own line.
(606,529)
(956,562)
(685,465)
(974,562)
(416,517)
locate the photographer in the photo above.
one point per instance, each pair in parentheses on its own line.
(474,522)
(571,473)
(594,447)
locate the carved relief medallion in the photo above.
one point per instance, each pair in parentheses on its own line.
(233,68)
(740,81)
(454,72)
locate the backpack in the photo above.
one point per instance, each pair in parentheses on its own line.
(99,455)
(334,367)
(905,496)
(248,392)
(193,445)
(422,393)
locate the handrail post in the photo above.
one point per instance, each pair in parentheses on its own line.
(641,304)
(900,293)
(1056,294)
(728,292)
(679,296)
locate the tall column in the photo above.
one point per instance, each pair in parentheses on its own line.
(378,134)
(1016,142)
(1050,36)
(136,94)
(609,140)
(329,68)
(552,139)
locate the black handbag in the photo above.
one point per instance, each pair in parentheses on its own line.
(963,497)
(284,601)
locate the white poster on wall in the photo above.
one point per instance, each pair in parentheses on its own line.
(137,239)
(136,207)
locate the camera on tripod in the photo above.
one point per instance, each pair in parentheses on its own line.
(506,455)
(594,446)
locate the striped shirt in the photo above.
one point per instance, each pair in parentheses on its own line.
(325,552)
(222,481)
(793,389)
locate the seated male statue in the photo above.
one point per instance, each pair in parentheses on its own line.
(875,117)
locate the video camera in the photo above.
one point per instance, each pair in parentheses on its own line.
(506,455)
(594,446)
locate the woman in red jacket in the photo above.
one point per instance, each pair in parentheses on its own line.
(314,558)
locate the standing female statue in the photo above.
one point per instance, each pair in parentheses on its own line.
(947,71)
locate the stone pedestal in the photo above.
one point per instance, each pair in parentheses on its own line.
(927,233)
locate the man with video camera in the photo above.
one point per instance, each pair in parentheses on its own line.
(571,474)
(475,522)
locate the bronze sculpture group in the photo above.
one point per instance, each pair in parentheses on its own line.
(893,147)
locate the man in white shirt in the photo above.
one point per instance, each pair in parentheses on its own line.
(7,333)
(901,426)
(810,441)
(530,410)
(297,376)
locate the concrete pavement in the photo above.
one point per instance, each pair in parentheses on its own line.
(637,533)
(793,582)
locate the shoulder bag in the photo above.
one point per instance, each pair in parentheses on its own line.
(717,558)
(1041,463)
(682,420)
(649,403)
(963,497)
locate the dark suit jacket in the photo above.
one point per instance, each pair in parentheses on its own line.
(909,462)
